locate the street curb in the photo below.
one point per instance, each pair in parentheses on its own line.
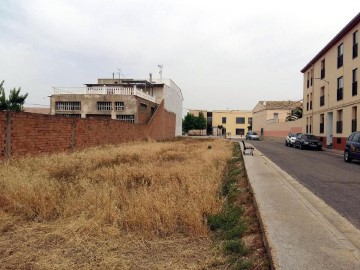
(270,254)
(346,233)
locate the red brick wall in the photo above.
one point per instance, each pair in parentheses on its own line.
(2,133)
(36,133)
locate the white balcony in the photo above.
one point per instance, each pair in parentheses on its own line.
(103,90)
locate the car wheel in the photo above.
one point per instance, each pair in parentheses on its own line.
(319,148)
(346,156)
(286,144)
(301,147)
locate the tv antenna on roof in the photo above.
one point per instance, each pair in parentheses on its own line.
(160,71)
(120,74)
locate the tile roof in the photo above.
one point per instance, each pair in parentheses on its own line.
(286,104)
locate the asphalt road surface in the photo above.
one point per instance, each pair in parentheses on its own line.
(323,172)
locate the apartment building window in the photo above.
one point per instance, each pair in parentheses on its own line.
(355,44)
(104,106)
(68,105)
(223,120)
(340,85)
(339,122)
(307,124)
(308,80)
(310,126)
(119,106)
(354,119)
(240,131)
(310,106)
(311,77)
(340,55)
(322,96)
(307,102)
(354,81)
(250,120)
(322,72)
(126,118)
(321,123)
(240,120)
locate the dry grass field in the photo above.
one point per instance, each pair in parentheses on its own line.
(134,206)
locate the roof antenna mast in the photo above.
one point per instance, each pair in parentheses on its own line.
(160,71)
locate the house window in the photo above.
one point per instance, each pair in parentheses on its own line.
(276,115)
(240,120)
(340,85)
(240,131)
(119,106)
(354,81)
(250,120)
(321,123)
(322,96)
(340,55)
(355,44)
(126,118)
(354,119)
(311,78)
(104,106)
(322,74)
(68,105)
(223,120)
(143,107)
(339,122)
(310,101)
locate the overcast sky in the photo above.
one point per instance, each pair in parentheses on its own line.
(223,54)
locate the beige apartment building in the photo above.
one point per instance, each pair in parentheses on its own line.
(269,119)
(331,97)
(234,123)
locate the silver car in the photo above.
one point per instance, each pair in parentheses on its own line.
(252,136)
(290,139)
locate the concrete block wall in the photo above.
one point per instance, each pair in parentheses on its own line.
(36,133)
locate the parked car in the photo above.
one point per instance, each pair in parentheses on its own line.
(290,139)
(252,136)
(352,147)
(307,141)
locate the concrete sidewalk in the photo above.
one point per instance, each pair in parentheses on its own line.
(301,230)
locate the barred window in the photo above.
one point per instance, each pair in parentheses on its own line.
(68,105)
(119,106)
(126,118)
(104,106)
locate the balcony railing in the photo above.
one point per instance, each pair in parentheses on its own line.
(103,90)
(322,101)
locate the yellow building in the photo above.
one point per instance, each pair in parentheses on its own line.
(234,123)
(331,96)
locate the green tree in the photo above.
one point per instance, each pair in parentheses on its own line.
(15,102)
(295,114)
(200,121)
(189,122)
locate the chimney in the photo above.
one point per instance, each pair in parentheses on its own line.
(264,103)
(150,75)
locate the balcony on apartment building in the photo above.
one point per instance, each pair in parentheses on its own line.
(103,90)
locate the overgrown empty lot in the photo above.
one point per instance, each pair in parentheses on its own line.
(133,206)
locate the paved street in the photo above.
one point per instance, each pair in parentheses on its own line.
(323,172)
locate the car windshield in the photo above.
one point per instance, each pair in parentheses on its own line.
(311,137)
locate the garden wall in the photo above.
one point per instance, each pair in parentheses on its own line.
(28,133)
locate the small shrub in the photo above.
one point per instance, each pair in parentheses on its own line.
(235,247)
